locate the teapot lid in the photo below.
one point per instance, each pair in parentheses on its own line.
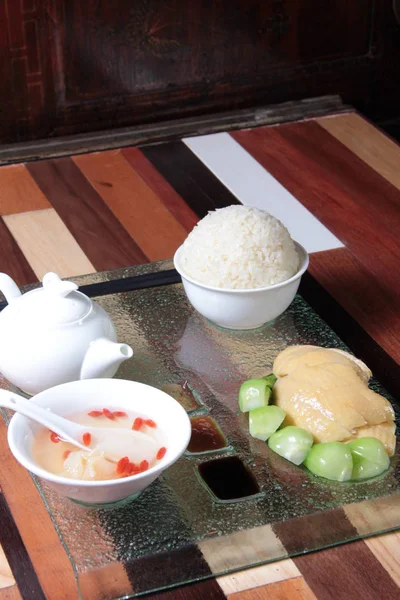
(56,303)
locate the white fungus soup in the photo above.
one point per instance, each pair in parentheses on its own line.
(57,456)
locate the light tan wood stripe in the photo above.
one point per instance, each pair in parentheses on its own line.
(134,203)
(6,576)
(367,142)
(292,589)
(245,548)
(258,576)
(19,192)
(386,549)
(47,243)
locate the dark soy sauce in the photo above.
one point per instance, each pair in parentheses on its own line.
(206,435)
(228,478)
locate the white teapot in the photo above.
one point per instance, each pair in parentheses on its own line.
(55,334)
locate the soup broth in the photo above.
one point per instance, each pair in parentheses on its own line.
(66,460)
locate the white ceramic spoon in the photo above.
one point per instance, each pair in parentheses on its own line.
(114,442)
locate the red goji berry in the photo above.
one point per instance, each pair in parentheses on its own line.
(137,423)
(87,438)
(95,413)
(150,423)
(67,453)
(144,465)
(108,414)
(161,453)
(54,437)
(132,469)
(119,413)
(121,464)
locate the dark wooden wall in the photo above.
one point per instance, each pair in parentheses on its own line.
(74,66)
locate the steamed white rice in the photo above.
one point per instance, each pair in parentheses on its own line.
(239,247)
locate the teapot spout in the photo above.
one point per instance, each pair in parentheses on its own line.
(9,288)
(103,358)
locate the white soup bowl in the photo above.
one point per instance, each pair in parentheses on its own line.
(90,394)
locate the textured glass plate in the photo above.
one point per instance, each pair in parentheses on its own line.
(176,531)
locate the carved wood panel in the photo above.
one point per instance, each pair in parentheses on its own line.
(71,66)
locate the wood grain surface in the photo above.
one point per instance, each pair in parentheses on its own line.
(292,589)
(370,144)
(43,555)
(114,209)
(12,259)
(47,244)
(76,68)
(6,576)
(160,186)
(97,230)
(114,179)
(19,192)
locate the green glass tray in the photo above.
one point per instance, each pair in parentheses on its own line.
(178,532)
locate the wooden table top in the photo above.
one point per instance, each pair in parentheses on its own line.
(335,180)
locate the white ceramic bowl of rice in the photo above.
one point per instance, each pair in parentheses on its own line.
(240,268)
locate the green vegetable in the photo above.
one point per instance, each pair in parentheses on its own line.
(332,460)
(293,443)
(264,421)
(369,458)
(253,393)
(271,380)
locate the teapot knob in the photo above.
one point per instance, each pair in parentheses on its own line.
(55,285)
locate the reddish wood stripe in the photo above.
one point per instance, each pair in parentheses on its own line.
(17,555)
(349,197)
(99,233)
(369,302)
(293,589)
(12,261)
(160,186)
(348,571)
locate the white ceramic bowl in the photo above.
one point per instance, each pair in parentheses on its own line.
(242,309)
(90,394)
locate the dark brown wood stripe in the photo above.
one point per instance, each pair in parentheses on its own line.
(12,261)
(343,192)
(191,179)
(17,555)
(95,227)
(164,570)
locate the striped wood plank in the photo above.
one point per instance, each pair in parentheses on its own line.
(47,244)
(6,576)
(12,259)
(338,187)
(18,191)
(133,202)
(367,142)
(160,186)
(290,589)
(41,540)
(98,232)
